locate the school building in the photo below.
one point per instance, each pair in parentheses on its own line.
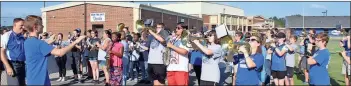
(101,16)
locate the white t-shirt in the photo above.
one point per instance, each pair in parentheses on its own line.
(178,62)
(102,54)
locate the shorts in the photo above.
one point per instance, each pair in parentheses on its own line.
(278,74)
(177,78)
(303,63)
(92,59)
(235,68)
(207,83)
(343,71)
(157,72)
(102,63)
(289,72)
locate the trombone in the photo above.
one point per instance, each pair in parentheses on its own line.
(141,27)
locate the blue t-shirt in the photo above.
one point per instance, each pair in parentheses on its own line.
(249,76)
(319,71)
(36,52)
(278,62)
(263,72)
(196,57)
(345,46)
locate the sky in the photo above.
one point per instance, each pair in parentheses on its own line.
(11,10)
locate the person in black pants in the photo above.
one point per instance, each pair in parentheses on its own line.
(76,56)
(61,61)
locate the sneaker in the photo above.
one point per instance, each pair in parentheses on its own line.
(63,79)
(59,79)
(135,80)
(97,81)
(129,79)
(305,83)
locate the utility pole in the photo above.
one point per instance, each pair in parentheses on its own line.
(85,17)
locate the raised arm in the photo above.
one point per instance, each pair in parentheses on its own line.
(63,51)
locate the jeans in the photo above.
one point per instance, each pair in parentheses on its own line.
(143,67)
(19,74)
(133,70)
(222,76)
(76,60)
(61,63)
(125,70)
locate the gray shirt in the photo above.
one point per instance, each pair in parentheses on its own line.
(156,48)
(290,56)
(210,64)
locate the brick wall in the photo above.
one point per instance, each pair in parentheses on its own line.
(68,19)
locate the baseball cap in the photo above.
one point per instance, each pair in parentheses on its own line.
(281,35)
(78,30)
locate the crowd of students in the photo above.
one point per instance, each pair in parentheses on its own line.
(123,56)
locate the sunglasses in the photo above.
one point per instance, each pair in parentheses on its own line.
(179,28)
(251,40)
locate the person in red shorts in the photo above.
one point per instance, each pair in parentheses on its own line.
(177,70)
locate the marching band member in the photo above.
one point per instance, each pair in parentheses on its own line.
(37,51)
(177,70)
(135,55)
(345,43)
(210,73)
(196,60)
(318,71)
(237,38)
(156,67)
(61,61)
(86,55)
(116,60)
(104,47)
(306,43)
(125,59)
(144,49)
(76,56)
(12,53)
(290,60)
(250,64)
(278,59)
(93,55)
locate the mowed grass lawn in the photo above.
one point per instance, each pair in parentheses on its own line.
(334,69)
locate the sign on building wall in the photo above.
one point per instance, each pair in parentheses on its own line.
(97,17)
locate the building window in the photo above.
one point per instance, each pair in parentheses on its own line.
(181,20)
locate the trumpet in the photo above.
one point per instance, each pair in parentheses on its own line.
(237,45)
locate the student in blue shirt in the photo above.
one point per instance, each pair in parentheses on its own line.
(239,37)
(196,60)
(251,64)
(37,51)
(318,72)
(278,59)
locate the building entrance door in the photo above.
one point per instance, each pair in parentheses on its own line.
(99,28)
